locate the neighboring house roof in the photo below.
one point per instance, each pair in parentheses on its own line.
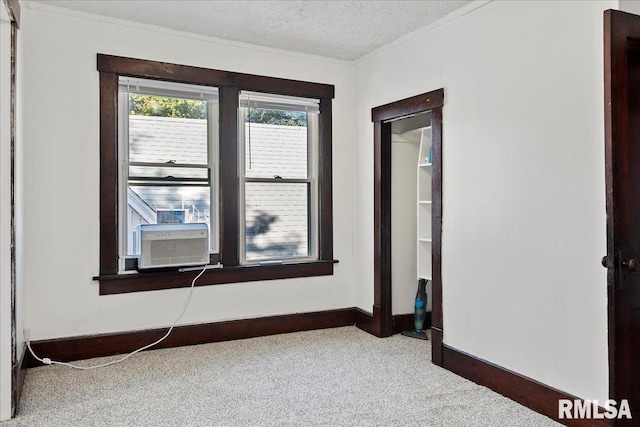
(160,139)
(276,213)
(276,150)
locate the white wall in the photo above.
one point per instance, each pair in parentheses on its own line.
(5,215)
(631,6)
(404,161)
(523,190)
(61,242)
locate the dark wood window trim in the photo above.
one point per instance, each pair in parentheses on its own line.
(229,84)
(151,281)
(17,355)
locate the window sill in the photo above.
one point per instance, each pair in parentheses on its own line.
(151,281)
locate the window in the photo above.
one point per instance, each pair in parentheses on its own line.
(249,155)
(167,146)
(278,145)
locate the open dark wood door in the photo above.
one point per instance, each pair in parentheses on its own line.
(622,154)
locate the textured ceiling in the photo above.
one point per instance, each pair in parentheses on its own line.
(337,29)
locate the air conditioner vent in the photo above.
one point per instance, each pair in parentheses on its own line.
(173,245)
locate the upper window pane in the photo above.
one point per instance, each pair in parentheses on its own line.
(162,139)
(276,135)
(276,143)
(168,122)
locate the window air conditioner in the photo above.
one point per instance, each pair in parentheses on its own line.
(173,245)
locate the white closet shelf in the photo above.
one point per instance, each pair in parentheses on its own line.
(424,206)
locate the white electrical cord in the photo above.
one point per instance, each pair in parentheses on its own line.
(48,361)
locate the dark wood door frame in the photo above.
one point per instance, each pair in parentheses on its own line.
(621,105)
(381,323)
(17,372)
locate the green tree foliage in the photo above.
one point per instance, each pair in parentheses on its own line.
(160,106)
(276,117)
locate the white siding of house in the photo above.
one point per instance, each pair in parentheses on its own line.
(161,139)
(275,150)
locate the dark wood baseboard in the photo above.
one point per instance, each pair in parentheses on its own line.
(363,320)
(371,323)
(86,347)
(367,322)
(436,346)
(526,391)
(19,372)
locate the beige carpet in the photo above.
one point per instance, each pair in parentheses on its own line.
(332,377)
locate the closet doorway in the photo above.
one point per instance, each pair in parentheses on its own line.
(383,118)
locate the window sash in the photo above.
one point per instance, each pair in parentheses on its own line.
(280,180)
(312,171)
(128,86)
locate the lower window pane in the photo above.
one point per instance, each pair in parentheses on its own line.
(165,205)
(276,220)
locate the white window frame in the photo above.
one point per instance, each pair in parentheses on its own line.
(280,102)
(175,90)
